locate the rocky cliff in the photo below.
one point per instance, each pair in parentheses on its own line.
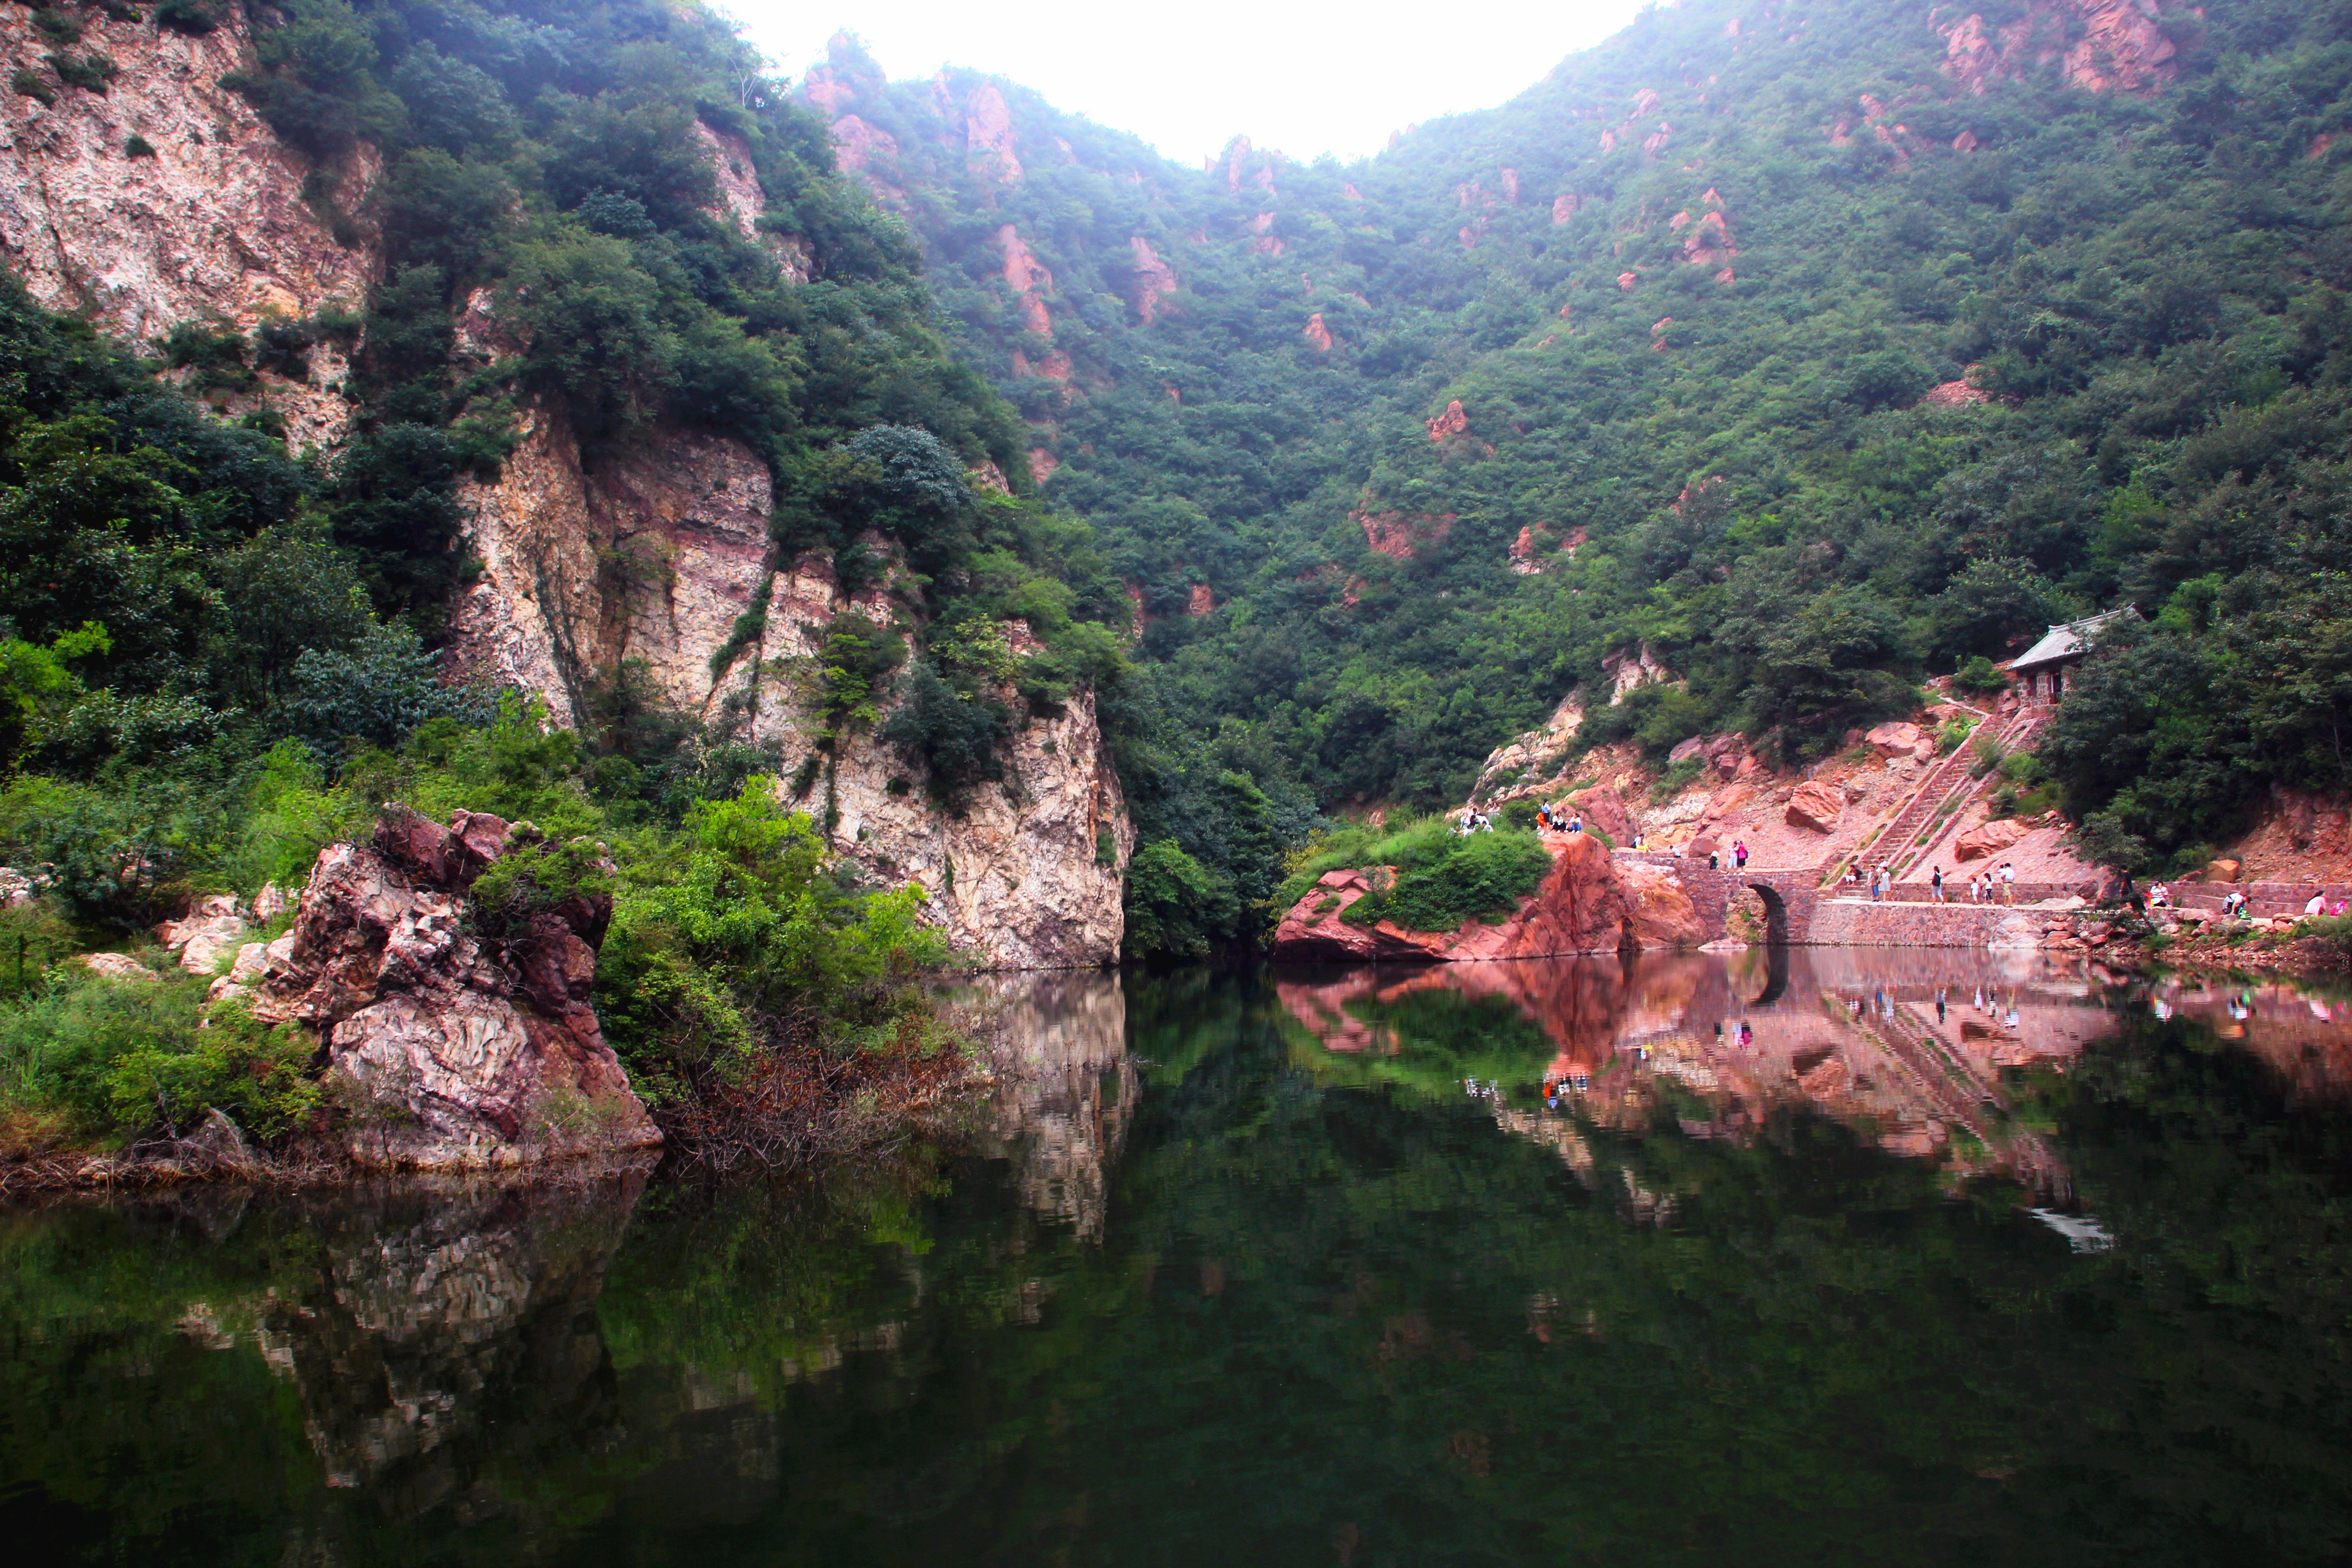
(164,199)
(161,198)
(655,552)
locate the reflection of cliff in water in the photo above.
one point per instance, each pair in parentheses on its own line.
(1066,1090)
(1907,1047)
(2298,1032)
(447,1329)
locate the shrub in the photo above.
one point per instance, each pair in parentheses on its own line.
(1481,876)
(1174,904)
(91,73)
(138,146)
(131,1058)
(27,82)
(1980,676)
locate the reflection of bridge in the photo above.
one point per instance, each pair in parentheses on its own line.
(1910,1053)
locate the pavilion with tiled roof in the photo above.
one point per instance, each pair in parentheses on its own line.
(2043,670)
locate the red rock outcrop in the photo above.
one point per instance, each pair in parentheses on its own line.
(1605,808)
(1154,279)
(988,135)
(1403,535)
(451,1051)
(1817,805)
(1954,394)
(1203,601)
(1564,205)
(1626,280)
(2120,45)
(1993,838)
(1531,540)
(1028,280)
(1587,904)
(1317,334)
(1042,464)
(1452,423)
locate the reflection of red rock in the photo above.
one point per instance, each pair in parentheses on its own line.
(1154,279)
(1317,334)
(1403,535)
(1452,423)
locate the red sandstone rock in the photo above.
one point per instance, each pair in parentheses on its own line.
(1894,738)
(468,1054)
(1625,281)
(1605,808)
(988,134)
(1027,279)
(1564,205)
(1991,838)
(2224,870)
(1318,334)
(1042,464)
(1203,601)
(1403,535)
(1154,279)
(1585,905)
(1452,423)
(1816,806)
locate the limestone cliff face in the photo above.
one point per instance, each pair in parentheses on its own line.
(210,223)
(653,551)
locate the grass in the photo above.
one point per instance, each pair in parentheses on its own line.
(1443,878)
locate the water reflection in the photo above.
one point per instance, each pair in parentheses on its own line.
(1910,1049)
(434,1317)
(1526,1263)
(1065,1093)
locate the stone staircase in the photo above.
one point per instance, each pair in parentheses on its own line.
(1946,783)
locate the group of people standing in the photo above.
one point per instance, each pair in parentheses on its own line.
(1980,887)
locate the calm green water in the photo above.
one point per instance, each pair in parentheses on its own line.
(1714,1260)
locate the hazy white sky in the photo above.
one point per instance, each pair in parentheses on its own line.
(1307,78)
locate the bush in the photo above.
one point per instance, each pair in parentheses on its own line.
(1175,905)
(1482,876)
(125,1060)
(1980,676)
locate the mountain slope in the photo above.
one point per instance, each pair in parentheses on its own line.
(1812,347)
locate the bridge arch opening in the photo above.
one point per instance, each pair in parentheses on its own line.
(1776,913)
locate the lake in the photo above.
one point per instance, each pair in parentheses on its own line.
(1821,1256)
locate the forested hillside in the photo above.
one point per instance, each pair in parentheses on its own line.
(1815,347)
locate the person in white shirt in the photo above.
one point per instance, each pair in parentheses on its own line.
(2318,903)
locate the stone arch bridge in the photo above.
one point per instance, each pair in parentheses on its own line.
(1790,898)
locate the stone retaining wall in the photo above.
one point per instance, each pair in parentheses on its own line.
(1861,923)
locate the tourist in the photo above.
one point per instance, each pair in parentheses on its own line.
(1740,855)
(2008,882)
(1877,884)
(2159,897)
(1714,861)
(1936,884)
(1576,824)
(2318,903)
